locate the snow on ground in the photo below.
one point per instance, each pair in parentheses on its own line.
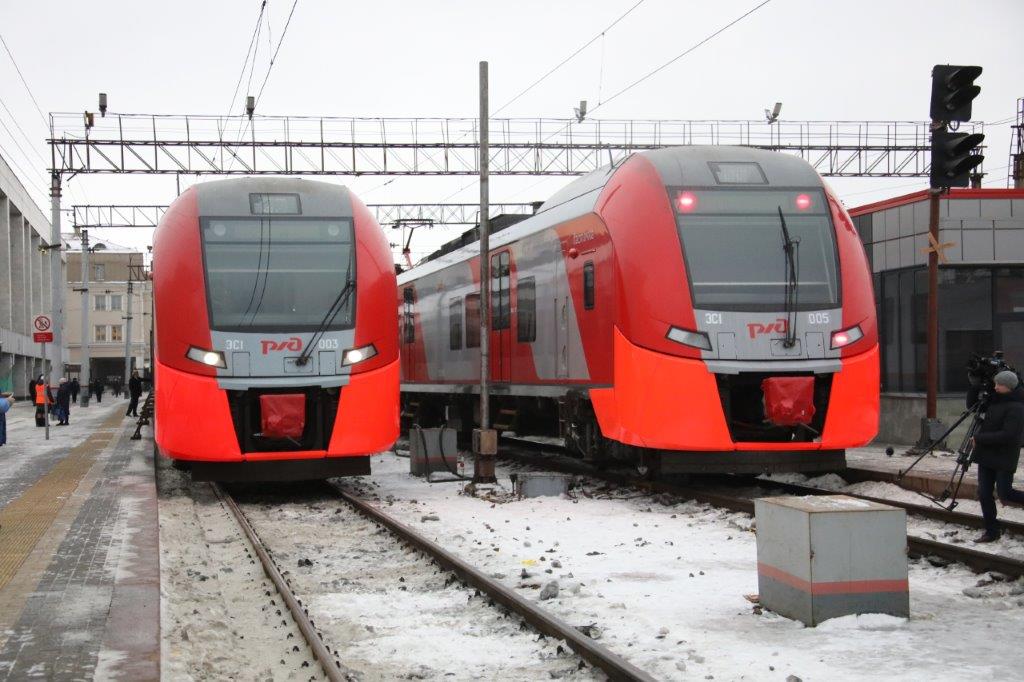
(216,620)
(665,585)
(388,612)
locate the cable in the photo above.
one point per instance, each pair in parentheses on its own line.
(16,143)
(24,135)
(277,49)
(25,83)
(255,32)
(569,58)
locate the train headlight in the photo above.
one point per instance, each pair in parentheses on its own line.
(356,355)
(213,358)
(689,338)
(844,337)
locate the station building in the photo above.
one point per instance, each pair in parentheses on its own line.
(981,294)
(24,281)
(111,268)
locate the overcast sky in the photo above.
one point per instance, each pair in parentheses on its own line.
(824,60)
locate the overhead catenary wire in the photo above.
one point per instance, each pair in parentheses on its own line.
(248,53)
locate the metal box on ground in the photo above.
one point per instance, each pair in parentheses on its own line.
(430,449)
(821,557)
(536,484)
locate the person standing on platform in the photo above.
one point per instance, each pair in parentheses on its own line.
(43,400)
(98,390)
(997,444)
(6,401)
(134,393)
(75,388)
(63,402)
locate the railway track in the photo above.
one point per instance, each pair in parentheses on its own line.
(527,452)
(542,622)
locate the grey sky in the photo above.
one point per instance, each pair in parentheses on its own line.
(823,60)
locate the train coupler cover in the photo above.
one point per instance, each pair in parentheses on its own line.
(788,401)
(283,415)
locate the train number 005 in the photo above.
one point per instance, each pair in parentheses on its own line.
(817,318)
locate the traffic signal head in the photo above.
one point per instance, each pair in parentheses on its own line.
(953,158)
(953,90)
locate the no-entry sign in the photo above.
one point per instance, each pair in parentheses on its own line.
(42,329)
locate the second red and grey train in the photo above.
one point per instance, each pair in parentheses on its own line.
(694,309)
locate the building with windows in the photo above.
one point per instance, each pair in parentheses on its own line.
(981,294)
(115,273)
(24,282)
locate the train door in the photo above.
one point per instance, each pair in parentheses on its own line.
(408,331)
(501,317)
(561,319)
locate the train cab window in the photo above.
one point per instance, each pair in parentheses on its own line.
(455,324)
(588,285)
(473,321)
(526,314)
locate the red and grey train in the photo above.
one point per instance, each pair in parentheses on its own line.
(276,351)
(692,309)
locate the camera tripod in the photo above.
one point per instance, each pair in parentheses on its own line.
(964,457)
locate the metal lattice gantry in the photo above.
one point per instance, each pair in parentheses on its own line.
(90,216)
(282,145)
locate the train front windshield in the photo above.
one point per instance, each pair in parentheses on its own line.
(733,243)
(277,274)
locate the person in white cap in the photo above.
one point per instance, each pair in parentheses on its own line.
(997,444)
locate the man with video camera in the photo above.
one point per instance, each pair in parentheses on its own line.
(998,439)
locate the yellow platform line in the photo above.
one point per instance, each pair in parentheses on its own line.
(27,517)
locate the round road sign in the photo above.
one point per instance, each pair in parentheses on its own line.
(42,323)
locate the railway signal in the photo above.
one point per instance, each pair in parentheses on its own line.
(954,157)
(953,90)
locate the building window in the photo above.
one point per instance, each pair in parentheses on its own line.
(455,324)
(100,302)
(116,332)
(473,321)
(588,285)
(100,333)
(526,315)
(99,272)
(115,302)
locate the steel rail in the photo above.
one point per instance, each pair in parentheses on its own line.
(980,562)
(611,664)
(323,655)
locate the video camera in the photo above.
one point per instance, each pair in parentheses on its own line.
(982,369)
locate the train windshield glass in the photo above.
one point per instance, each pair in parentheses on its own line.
(733,245)
(276,274)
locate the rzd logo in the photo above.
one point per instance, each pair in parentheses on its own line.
(292,344)
(779,326)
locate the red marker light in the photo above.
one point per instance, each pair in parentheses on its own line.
(686,202)
(803,202)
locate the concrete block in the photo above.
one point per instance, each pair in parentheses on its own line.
(538,484)
(432,451)
(822,557)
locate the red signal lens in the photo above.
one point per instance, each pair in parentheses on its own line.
(803,202)
(686,202)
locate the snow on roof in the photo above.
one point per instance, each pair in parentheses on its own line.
(73,242)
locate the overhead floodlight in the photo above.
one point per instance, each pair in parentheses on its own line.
(103,104)
(250,106)
(581,111)
(88,118)
(773,114)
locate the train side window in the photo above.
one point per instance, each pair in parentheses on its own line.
(455,324)
(410,323)
(473,321)
(526,314)
(500,304)
(588,285)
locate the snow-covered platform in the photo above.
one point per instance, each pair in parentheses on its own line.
(931,475)
(79,559)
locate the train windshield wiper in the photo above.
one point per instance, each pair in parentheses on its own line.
(339,304)
(791,292)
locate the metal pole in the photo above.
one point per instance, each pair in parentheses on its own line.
(46,390)
(128,330)
(485,440)
(83,374)
(933,305)
(56,284)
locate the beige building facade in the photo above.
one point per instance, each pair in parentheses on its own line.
(115,274)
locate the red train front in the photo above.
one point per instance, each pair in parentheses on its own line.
(695,309)
(276,352)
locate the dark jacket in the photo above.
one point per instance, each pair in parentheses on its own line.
(64,396)
(135,387)
(999,438)
(75,387)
